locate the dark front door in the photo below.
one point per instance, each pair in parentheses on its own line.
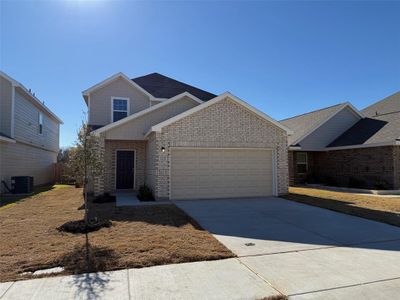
(125,169)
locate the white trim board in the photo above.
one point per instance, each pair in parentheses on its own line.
(345,105)
(146,111)
(127,106)
(35,101)
(6,139)
(110,79)
(221,97)
(394,143)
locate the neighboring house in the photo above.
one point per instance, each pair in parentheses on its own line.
(341,145)
(183,142)
(29,135)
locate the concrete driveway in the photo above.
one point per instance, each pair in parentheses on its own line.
(304,251)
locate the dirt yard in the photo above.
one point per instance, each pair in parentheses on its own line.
(140,237)
(379,208)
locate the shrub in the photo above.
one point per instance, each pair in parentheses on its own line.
(105,198)
(382,185)
(329,180)
(145,193)
(356,182)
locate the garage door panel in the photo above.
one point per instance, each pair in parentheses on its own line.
(220,173)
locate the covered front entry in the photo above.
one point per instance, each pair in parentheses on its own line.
(125,169)
(201,173)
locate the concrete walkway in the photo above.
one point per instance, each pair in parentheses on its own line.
(222,279)
(303,251)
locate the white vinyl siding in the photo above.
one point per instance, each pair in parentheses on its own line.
(221,173)
(330,130)
(5,106)
(26,125)
(18,159)
(100,112)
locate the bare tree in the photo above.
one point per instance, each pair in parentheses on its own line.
(85,160)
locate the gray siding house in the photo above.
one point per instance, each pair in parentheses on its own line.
(29,135)
(184,142)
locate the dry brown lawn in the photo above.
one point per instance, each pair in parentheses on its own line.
(379,208)
(140,237)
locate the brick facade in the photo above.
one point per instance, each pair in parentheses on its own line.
(224,124)
(111,147)
(374,167)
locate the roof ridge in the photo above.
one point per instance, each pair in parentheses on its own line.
(380,101)
(173,79)
(314,111)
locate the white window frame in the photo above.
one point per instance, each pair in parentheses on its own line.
(302,163)
(40,123)
(112,106)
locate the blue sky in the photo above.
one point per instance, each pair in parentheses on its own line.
(284,58)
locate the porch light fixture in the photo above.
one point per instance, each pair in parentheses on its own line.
(162,149)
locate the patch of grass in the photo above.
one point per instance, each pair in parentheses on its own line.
(7,200)
(140,236)
(378,208)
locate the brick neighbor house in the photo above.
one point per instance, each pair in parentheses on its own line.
(340,145)
(184,142)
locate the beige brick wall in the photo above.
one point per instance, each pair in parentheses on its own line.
(224,124)
(111,146)
(151,161)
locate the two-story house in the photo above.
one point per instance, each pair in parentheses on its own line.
(184,142)
(29,135)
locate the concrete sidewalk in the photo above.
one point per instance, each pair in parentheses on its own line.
(222,279)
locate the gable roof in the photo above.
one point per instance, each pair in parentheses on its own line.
(304,124)
(31,97)
(145,111)
(223,96)
(389,104)
(381,127)
(161,86)
(110,79)
(155,86)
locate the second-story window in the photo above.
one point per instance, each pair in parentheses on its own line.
(40,123)
(119,108)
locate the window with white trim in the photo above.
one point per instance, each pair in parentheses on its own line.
(40,121)
(301,162)
(119,108)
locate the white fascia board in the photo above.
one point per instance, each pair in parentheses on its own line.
(223,96)
(108,80)
(340,108)
(146,111)
(17,84)
(6,139)
(394,143)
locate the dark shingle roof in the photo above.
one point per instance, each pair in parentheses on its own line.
(381,125)
(161,86)
(303,124)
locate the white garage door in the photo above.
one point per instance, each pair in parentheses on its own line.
(221,173)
